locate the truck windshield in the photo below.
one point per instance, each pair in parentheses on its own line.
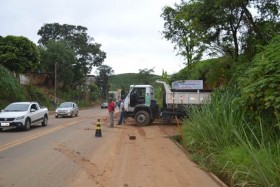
(16,107)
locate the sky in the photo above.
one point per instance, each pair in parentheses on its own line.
(129,31)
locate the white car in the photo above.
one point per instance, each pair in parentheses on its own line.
(104,105)
(67,109)
(23,115)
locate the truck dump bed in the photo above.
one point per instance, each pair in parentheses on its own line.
(185,97)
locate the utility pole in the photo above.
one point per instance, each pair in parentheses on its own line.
(55,79)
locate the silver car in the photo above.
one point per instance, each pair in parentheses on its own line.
(67,109)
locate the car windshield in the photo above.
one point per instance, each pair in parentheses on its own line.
(14,107)
(63,105)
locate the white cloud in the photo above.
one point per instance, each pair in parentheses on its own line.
(128,30)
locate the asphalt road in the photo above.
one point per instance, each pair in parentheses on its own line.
(35,158)
(66,153)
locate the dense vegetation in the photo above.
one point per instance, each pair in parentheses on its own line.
(19,54)
(240,152)
(66,55)
(236,135)
(11,89)
(17,92)
(14,91)
(123,81)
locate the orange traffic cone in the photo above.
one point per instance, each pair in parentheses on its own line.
(98,129)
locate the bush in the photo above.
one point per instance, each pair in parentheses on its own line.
(214,72)
(11,89)
(38,95)
(259,85)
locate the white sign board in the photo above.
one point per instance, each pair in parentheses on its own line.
(188,84)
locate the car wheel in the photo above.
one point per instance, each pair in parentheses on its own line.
(27,125)
(45,121)
(142,118)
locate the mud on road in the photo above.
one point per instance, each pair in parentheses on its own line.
(132,156)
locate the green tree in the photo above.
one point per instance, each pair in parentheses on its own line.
(18,54)
(218,22)
(94,92)
(103,74)
(61,55)
(145,76)
(177,30)
(228,27)
(263,26)
(214,72)
(87,52)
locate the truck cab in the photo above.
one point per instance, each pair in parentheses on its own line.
(140,104)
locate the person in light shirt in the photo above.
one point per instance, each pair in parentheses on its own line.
(122,113)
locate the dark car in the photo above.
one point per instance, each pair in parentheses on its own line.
(67,109)
(104,105)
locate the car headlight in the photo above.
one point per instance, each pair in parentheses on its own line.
(69,111)
(19,118)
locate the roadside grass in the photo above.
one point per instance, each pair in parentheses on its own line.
(240,153)
(209,128)
(264,168)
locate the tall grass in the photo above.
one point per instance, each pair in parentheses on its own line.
(242,153)
(209,128)
(264,168)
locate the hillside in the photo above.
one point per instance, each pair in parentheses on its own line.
(124,80)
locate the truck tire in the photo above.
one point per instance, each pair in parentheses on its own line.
(142,118)
(27,124)
(45,121)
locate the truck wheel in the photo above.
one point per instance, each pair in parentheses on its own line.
(142,118)
(45,121)
(27,125)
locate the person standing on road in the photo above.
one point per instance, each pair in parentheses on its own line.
(122,113)
(111,109)
(119,104)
